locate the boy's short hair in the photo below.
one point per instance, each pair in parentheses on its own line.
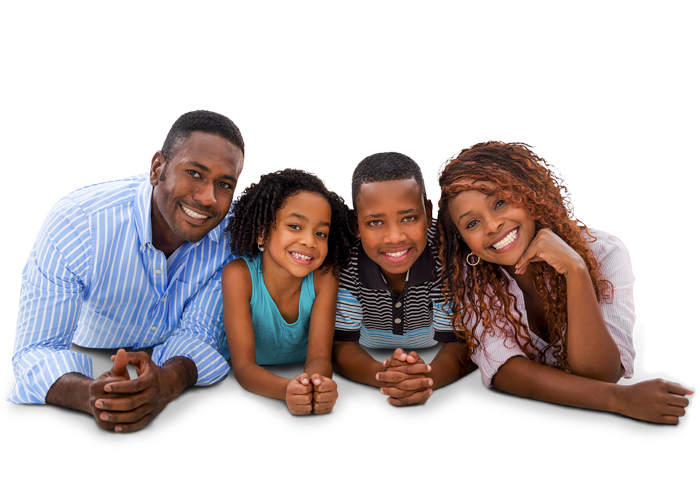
(386,167)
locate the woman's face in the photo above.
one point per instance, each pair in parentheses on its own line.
(495,229)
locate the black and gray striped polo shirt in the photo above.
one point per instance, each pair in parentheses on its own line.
(371,312)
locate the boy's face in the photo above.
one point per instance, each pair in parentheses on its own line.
(393,224)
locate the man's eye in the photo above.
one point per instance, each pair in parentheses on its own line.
(194,173)
(225,185)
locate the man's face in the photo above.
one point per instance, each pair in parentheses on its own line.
(193,193)
(393,224)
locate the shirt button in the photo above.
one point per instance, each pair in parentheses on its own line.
(398,304)
(154,328)
(158,271)
(163,299)
(397,320)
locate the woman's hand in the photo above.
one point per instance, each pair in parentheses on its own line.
(656,400)
(550,248)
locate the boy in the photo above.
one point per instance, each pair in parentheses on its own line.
(390,295)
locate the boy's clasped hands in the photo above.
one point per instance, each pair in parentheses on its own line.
(405,380)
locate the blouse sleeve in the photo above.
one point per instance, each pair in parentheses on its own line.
(618,311)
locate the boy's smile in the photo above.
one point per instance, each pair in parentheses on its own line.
(393,224)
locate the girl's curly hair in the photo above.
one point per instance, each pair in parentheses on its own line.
(254,213)
(479,294)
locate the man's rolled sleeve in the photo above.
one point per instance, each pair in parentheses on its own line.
(197,334)
(50,302)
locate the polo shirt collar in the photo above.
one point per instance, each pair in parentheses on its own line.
(370,274)
(142,213)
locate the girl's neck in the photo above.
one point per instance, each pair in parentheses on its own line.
(280,283)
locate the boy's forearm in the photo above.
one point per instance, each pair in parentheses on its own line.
(446,367)
(353,362)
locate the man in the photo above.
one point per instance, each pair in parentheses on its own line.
(132,263)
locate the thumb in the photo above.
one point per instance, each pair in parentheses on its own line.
(120,362)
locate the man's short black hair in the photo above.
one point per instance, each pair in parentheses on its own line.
(385,167)
(201,121)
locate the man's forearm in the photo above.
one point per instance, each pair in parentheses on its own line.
(72,391)
(182,373)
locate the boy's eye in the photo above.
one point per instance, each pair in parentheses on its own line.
(374,223)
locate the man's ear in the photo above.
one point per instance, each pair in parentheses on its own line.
(157,166)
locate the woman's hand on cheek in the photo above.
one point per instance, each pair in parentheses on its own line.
(550,248)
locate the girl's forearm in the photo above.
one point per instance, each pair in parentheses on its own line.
(321,365)
(591,350)
(256,379)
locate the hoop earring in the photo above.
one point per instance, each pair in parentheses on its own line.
(478,259)
(261,247)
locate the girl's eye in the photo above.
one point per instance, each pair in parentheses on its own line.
(500,203)
(321,234)
(295,226)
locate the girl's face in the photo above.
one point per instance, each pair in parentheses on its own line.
(495,229)
(299,243)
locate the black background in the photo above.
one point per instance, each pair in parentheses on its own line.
(462,413)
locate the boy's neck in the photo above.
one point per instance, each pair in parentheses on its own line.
(395,281)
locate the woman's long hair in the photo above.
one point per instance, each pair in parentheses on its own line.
(479,294)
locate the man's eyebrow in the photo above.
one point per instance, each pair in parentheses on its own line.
(208,170)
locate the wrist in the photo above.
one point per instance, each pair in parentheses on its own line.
(577,269)
(181,373)
(613,398)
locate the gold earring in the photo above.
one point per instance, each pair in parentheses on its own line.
(478,259)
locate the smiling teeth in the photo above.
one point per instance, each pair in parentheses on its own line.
(300,256)
(396,254)
(192,213)
(510,238)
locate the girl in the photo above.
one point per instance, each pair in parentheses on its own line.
(279,299)
(543,302)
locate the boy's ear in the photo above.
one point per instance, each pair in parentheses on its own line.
(354,226)
(429,212)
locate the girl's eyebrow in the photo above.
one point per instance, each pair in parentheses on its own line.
(304,218)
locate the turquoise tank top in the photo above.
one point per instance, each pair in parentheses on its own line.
(276,341)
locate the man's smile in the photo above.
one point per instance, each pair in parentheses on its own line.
(195,215)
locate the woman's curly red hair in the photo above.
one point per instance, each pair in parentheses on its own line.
(480,294)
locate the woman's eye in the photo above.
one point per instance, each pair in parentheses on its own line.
(470,224)
(410,218)
(500,203)
(374,223)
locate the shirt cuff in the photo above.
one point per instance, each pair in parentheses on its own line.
(38,370)
(211,366)
(446,336)
(344,335)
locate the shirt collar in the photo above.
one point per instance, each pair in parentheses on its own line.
(142,213)
(370,273)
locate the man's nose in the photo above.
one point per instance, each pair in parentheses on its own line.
(205,194)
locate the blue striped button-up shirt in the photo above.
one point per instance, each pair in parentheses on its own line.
(94,278)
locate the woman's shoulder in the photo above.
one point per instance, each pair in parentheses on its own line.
(608,249)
